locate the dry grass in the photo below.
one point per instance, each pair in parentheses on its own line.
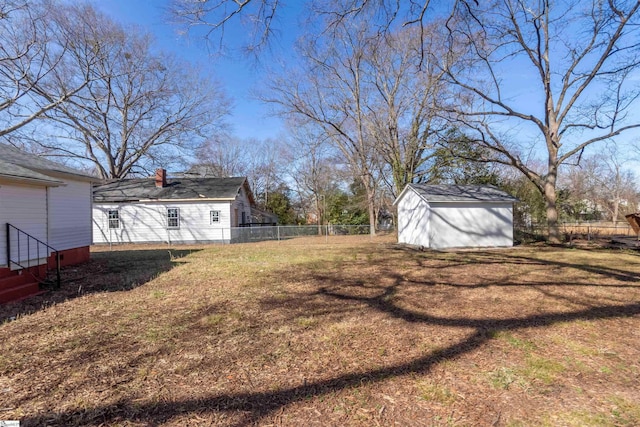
(359,333)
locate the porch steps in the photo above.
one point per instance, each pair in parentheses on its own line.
(16,285)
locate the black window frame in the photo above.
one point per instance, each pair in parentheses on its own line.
(211,214)
(113,220)
(173,221)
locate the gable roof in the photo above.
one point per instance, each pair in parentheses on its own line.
(144,189)
(19,165)
(458,193)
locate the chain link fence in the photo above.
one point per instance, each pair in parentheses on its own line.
(288,232)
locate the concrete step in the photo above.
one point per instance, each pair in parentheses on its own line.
(18,292)
(38,270)
(17,279)
(19,284)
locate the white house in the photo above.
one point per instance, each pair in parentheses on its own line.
(45,207)
(177,210)
(455,216)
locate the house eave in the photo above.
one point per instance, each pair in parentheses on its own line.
(191,200)
(401,195)
(14,179)
(69,175)
(434,202)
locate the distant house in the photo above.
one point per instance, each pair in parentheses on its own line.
(178,210)
(455,216)
(44,207)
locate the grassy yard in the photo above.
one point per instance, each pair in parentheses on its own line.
(357,333)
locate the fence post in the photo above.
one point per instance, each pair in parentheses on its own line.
(57,270)
(278,232)
(8,246)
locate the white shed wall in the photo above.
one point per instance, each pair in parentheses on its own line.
(454,225)
(477,224)
(413,220)
(70,215)
(146,222)
(26,208)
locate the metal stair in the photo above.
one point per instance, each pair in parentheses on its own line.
(26,275)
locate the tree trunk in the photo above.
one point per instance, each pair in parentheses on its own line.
(372,218)
(320,214)
(550,205)
(371,203)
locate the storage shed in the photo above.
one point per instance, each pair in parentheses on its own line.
(455,216)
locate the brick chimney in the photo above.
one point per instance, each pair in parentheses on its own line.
(161,178)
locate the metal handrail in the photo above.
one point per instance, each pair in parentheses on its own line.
(38,244)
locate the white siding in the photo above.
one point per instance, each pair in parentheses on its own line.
(70,215)
(147,223)
(413,220)
(478,224)
(240,213)
(25,207)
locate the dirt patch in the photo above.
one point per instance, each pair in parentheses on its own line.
(342,333)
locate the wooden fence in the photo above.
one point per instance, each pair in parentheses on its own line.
(583,230)
(597,229)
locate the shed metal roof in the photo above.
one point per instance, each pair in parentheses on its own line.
(143,189)
(459,193)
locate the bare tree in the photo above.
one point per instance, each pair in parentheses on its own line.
(212,16)
(223,157)
(259,160)
(333,96)
(259,17)
(602,182)
(575,61)
(314,167)
(402,111)
(265,171)
(141,109)
(34,53)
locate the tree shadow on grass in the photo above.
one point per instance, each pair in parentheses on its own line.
(104,272)
(253,407)
(500,257)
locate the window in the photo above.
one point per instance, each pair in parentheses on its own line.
(114,219)
(215,217)
(173,218)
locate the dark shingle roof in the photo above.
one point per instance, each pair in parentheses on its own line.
(13,171)
(16,163)
(129,190)
(462,193)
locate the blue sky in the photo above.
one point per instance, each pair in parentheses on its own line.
(239,75)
